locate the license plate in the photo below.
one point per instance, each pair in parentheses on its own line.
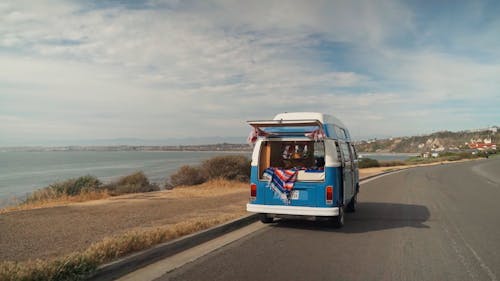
(295,194)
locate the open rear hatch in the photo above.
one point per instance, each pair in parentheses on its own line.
(279,128)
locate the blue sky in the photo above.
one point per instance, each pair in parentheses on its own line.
(83,70)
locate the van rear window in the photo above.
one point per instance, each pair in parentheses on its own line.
(299,155)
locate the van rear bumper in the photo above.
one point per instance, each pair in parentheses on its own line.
(293,210)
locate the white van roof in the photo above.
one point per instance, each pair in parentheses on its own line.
(301,124)
(321,117)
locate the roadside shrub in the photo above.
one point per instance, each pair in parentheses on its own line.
(168,185)
(391,163)
(42,194)
(76,186)
(230,167)
(415,159)
(71,187)
(133,183)
(368,163)
(188,175)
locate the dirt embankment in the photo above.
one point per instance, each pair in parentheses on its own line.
(55,231)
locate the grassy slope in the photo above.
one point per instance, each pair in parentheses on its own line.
(79,264)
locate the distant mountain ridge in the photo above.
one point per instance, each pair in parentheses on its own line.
(439,141)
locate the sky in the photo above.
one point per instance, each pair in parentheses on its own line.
(158,70)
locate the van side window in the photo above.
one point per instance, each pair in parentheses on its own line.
(344,134)
(353,150)
(339,156)
(341,133)
(345,151)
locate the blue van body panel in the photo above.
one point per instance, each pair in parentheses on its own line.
(311,193)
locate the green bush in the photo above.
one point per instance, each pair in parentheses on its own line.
(391,163)
(187,175)
(368,163)
(133,183)
(230,167)
(69,187)
(76,186)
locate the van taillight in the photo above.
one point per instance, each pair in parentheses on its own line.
(253,191)
(329,194)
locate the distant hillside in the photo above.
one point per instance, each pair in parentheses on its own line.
(436,141)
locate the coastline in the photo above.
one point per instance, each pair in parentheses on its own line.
(23,172)
(76,229)
(12,204)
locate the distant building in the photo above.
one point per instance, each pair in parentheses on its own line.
(482,145)
(439,148)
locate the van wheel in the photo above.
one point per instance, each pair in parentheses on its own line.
(265,219)
(338,221)
(351,207)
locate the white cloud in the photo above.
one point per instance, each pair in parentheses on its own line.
(174,69)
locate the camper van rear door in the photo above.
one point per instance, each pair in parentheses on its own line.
(285,127)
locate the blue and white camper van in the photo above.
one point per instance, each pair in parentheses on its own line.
(303,165)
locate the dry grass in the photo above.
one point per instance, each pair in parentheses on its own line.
(59,200)
(81,189)
(211,188)
(80,264)
(215,187)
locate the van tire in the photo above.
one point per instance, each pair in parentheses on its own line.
(351,207)
(265,219)
(338,221)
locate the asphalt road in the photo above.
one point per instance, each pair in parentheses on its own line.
(429,223)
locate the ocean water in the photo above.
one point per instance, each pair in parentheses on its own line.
(23,172)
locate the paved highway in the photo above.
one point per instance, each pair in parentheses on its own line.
(429,223)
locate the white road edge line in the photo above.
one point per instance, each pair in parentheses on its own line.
(362,181)
(158,269)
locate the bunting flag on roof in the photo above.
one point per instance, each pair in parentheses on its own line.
(252,137)
(316,135)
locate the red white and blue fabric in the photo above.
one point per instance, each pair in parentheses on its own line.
(281,181)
